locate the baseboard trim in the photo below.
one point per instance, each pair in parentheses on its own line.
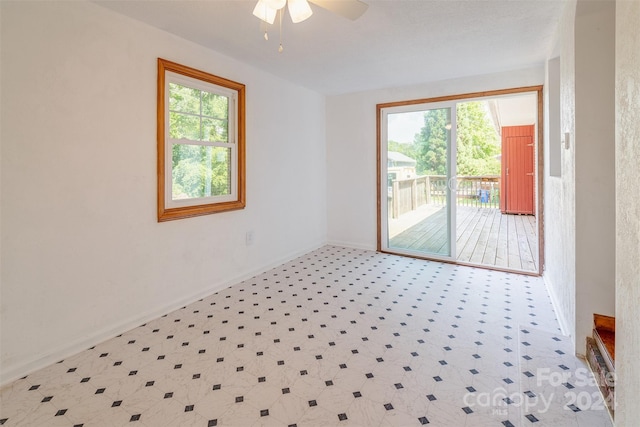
(562,321)
(83,343)
(351,245)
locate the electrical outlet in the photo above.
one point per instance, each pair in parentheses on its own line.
(249,238)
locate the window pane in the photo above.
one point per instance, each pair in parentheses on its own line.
(184,99)
(215,105)
(184,126)
(215,130)
(200,171)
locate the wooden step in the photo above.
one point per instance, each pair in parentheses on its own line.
(604,333)
(604,377)
(601,352)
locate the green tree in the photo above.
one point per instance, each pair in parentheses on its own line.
(199,170)
(408,150)
(431,144)
(477,142)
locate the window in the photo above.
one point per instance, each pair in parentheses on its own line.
(201,147)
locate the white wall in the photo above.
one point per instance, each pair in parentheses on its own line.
(553,133)
(580,205)
(594,164)
(83,257)
(351,148)
(628,212)
(559,192)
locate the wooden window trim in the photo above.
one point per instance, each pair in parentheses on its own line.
(168,214)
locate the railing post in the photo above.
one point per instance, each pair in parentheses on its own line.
(414,194)
(395,192)
(427,186)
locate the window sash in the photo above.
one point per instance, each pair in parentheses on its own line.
(231,95)
(192,201)
(170,142)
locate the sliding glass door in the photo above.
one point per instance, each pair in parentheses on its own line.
(417,180)
(459,179)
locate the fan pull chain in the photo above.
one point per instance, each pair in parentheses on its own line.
(280,49)
(264,24)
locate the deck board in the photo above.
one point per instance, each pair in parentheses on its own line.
(502,255)
(526,257)
(483,236)
(467,242)
(513,248)
(491,249)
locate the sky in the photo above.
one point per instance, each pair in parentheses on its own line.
(403,126)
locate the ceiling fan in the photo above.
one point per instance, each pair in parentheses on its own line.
(299,10)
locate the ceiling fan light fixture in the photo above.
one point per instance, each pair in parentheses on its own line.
(265,12)
(299,10)
(275,4)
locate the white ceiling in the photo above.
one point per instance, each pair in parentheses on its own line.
(395,43)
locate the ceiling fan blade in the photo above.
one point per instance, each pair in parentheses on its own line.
(351,9)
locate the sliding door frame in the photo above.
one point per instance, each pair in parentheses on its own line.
(468,96)
(451,172)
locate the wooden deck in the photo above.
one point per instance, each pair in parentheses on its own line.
(483,236)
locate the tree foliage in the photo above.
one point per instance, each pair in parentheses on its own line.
(200,171)
(196,115)
(408,150)
(477,142)
(431,143)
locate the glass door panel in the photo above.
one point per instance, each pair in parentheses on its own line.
(417,167)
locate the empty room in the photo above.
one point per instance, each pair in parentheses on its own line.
(318,213)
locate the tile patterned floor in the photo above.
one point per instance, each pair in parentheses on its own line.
(340,337)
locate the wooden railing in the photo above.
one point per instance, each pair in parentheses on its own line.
(406,195)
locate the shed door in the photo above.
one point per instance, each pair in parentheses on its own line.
(517,170)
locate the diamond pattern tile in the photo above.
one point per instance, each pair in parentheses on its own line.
(339,336)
